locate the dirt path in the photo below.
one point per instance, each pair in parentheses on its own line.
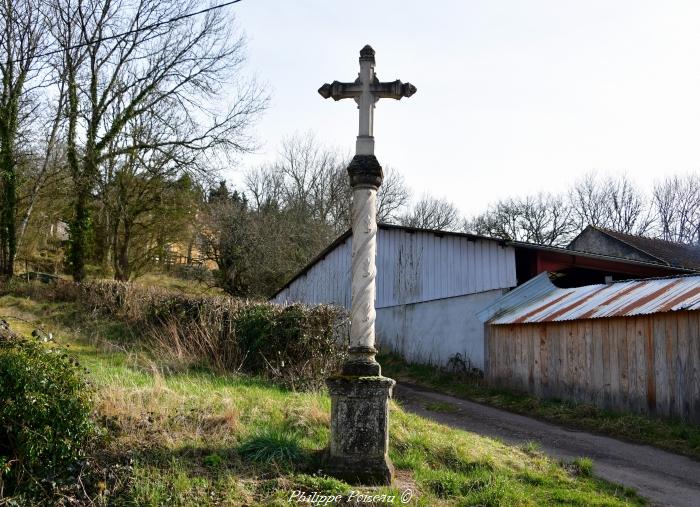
(661,477)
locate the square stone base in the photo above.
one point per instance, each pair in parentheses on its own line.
(363,472)
(359,445)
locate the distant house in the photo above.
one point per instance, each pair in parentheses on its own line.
(608,242)
(431,285)
(59,230)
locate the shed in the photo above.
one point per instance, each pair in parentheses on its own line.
(606,241)
(431,285)
(630,345)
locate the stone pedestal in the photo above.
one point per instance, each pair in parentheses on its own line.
(359,445)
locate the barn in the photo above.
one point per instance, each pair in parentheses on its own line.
(432,284)
(609,242)
(631,345)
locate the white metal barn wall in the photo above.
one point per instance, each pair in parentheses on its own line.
(422,281)
(328,281)
(413,267)
(432,332)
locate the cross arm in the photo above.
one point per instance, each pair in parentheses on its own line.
(338,90)
(393,90)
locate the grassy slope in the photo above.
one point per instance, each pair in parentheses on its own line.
(176,284)
(188,437)
(672,435)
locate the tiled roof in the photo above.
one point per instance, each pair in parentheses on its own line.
(674,254)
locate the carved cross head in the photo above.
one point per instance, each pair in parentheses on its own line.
(366,90)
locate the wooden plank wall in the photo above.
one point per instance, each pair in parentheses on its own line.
(648,364)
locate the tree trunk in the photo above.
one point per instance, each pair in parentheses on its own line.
(78,229)
(9,206)
(122,268)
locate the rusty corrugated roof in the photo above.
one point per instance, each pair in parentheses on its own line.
(619,299)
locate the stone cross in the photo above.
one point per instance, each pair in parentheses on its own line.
(366,90)
(365,178)
(358,451)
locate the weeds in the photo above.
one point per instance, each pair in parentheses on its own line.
(297,346)
(582,467)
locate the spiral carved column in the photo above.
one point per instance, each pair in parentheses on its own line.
(365,178)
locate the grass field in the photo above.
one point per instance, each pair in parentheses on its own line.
(676,436)
(195,437)
(177,284)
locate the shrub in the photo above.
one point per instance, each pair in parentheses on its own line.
(45,413)
(297,346)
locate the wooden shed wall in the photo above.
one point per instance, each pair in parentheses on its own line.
(648,363)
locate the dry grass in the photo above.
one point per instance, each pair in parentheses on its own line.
(173,283)
(157,415)
(295,345)
(201,438)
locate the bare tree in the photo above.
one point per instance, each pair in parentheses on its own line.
(432,213)
(543,218)
(20,41)
(588,202)
(124,59)
(51,164)
(393,196)
(676,201)
(630,211)
(312,180)
(613,203)
(146,195)
(265,187)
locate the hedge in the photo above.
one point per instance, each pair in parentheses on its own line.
(295,345)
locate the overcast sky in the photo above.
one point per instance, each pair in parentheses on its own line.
(513,96)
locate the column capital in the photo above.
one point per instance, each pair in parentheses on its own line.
(365,171)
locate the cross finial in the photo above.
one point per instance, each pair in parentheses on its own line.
(367,52)
(366,90)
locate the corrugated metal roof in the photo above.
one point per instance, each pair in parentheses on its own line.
(619,299)
(535,288)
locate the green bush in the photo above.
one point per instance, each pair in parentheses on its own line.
(297,346)
(45,414)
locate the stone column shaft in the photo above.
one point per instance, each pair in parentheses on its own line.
(364,267)
(365,178)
